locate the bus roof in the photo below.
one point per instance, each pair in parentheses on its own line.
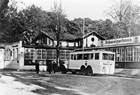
(92,51)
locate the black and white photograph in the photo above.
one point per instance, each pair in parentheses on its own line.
(69,47)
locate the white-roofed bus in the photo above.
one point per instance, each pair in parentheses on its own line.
(91,62)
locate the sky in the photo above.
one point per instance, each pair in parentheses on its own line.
(93,9)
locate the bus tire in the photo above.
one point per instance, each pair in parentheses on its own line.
(73,71)
(83,70)
(89,71)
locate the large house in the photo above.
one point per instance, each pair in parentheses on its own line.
(91,39)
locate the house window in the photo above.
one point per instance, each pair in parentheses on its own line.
(62,54)
(49,54)
(119,54)
(32,54)
(15,53)
(8,54)
(49,42)
(29,53)
(129,54)
(41,54)
(44,41)
(132,54)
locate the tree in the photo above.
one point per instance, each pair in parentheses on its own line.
(33,20)
(3,5)
(7,21)
(72,27)
(24,24)
(126,15)
(58,26)
(87,24)
(105,28)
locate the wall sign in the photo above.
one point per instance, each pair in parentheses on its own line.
(119,41)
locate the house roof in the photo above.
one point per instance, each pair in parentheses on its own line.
(63,37)
(94,33)
(67,37)
(42,35)
(50,35)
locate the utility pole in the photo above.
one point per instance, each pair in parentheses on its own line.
(83,32)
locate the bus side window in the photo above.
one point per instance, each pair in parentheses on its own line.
(111,56)
(79,56)
(86,56)
(72,56)
(96,56)
(91,56)
(105,56)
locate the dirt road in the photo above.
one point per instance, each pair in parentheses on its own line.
(67,84)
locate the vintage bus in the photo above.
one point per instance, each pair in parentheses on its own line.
(91,62)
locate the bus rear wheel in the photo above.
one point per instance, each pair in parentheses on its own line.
(83,70)
(73,71)
(89,71)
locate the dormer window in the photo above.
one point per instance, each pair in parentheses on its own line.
(92,39)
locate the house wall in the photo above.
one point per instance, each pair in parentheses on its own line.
(30,55)
(12,55)
(88,42)
(45,41)
(1,58)
(64,44)
(15,59)
(67,44)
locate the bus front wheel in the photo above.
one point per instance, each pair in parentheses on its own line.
(89,71)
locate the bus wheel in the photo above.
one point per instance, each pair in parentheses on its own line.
(73,71)
(83,70)
(89,71)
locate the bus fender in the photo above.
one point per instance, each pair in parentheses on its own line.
(82,67)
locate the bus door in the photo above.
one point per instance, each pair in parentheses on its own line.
(86,57)
(107,63)
(112,63)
